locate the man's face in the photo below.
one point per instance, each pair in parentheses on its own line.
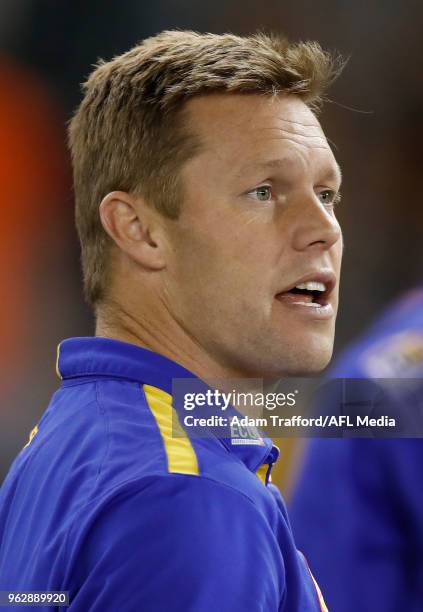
(256,221)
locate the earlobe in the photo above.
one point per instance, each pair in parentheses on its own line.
(130,222)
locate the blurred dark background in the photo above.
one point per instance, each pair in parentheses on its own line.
(374,121)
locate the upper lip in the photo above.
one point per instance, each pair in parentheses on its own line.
(321,275)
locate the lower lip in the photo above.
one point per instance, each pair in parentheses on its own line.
(320,312)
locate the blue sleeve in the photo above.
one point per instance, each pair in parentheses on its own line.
(352,510)
(180,543)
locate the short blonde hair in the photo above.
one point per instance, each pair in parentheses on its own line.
(128,133)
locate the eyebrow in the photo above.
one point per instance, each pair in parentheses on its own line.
(334,172)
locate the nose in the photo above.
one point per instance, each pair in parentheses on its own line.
(316,227)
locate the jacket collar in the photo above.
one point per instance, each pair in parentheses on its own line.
(104,357)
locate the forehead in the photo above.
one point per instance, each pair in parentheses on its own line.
(246,130)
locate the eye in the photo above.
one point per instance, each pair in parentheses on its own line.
(262,193)
(329,197)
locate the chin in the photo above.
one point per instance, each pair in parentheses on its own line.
(313,365)
(313,360)
(304,359)
(278,356)
(292,363)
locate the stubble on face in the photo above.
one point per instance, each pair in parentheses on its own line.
(232,252)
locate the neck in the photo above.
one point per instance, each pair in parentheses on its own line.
(162,334)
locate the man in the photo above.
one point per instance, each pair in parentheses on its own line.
(370,516)
(205,192)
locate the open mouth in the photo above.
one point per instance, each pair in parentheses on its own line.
(313,294)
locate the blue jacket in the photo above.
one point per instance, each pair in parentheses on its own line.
(357,509)
(104,502)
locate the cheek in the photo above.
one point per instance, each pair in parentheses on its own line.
(337,259)
(223,269)
(339,251)
(196,263)
(225,255)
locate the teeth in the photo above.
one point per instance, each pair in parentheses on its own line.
(312,286)
(309,304)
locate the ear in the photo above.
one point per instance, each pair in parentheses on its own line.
(133,226)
